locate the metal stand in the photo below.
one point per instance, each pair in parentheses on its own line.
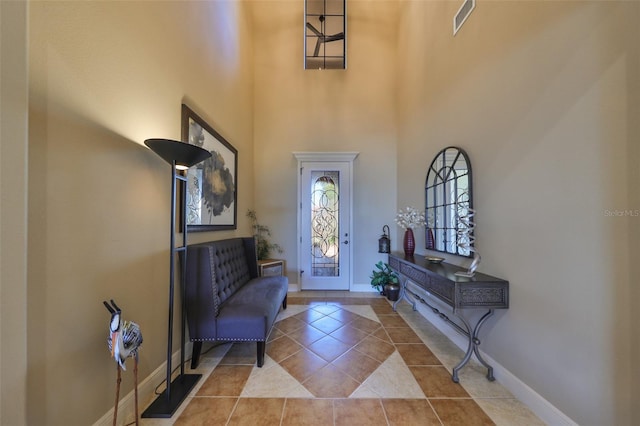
(404,295)
(168,401)
(474,342)
(471,333)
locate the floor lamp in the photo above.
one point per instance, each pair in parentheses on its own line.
(181,156)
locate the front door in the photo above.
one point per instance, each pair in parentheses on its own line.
(325,234)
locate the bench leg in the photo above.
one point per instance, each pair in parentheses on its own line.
(261,348)
(284,302)
(195,354)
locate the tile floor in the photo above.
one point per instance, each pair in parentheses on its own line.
(336,358)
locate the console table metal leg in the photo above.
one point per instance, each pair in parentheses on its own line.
(404,294)
(472,348)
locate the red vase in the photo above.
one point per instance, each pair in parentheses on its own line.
(431,241)
(409,242)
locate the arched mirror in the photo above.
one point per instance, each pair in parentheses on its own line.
(449,203)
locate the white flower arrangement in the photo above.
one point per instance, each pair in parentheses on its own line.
(410,218)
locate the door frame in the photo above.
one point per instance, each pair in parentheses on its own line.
(330,157)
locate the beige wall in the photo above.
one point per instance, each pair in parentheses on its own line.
(104,77)
(348,111)
(544,98)
(13,211)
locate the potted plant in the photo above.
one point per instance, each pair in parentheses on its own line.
(385,281)
(261,234)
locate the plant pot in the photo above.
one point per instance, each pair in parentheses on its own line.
(392,291)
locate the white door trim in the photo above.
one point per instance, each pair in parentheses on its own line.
(347,157)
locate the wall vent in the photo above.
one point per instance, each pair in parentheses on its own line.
(462,14)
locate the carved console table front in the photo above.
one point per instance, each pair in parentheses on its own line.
(439,280)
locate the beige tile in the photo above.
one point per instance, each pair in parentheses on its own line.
(257,411)
(365,311)
(365,412)
(365,392)
(199,412)
(460,412)
(300,392)
(403,412)
(325,308)
(507,412)
(436,383)
(447,352)
(270,381)
(307,412)
(473,378)
(393,379)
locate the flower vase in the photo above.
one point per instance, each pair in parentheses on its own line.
(409,242)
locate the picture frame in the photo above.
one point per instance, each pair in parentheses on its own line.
(211,189)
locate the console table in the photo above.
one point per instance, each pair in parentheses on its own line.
(438,280)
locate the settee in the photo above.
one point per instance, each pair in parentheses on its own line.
(225,299)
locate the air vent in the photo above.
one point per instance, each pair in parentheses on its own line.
(462,14)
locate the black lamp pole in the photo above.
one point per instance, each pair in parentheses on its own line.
(181,156)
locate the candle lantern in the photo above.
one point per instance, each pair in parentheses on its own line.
(384,243)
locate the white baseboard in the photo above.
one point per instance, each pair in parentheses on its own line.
(356,288)
(146,392)
(542,408)
(362,288)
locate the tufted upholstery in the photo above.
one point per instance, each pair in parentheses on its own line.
(225,299)
(230,267)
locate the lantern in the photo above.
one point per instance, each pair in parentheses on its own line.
(384,243)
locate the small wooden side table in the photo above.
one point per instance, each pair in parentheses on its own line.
(271,267)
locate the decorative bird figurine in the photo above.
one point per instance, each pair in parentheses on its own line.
(125,337)
(124,341)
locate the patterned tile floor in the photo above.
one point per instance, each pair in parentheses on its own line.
(337,358)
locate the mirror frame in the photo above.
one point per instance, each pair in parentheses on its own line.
(442,181)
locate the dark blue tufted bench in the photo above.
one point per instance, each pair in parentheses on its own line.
(225,298)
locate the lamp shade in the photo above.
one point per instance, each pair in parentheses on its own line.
(182,153)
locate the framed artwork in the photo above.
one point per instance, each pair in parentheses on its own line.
(211,196)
